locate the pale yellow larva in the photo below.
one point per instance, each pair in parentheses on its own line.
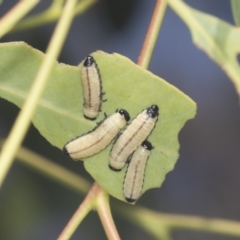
(97,139)
(92,88)
(134,178)
(132,137)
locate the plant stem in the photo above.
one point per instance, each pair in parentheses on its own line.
(152,33)
(97,199)
(23,120)
(155,222)
(15,14)
(104,212)
(199,223)
(80,214)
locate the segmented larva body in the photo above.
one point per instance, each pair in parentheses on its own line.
(100,137)
(92,88)
(132,137)
(134,178)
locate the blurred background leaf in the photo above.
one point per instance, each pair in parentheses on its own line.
(235,4)
(217,38)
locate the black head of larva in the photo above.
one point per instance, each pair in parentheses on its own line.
(147,145)
(88,61)
(152,111)
(125,114)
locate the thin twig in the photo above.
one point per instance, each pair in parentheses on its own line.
(96,199)
(152,33)
(80,214)
(154,222)
(104,212)
(15,14)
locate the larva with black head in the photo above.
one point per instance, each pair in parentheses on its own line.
(97,139)
(132,137)
(92,88)
(134,177)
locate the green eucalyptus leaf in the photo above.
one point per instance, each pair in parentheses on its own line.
(219,39)
(59,117)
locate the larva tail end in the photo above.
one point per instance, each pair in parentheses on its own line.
(130,200)
(89,118)
(114,169)
(65,151)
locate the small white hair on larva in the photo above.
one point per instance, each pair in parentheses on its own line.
(132,137)
(135,174)
(97,139)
